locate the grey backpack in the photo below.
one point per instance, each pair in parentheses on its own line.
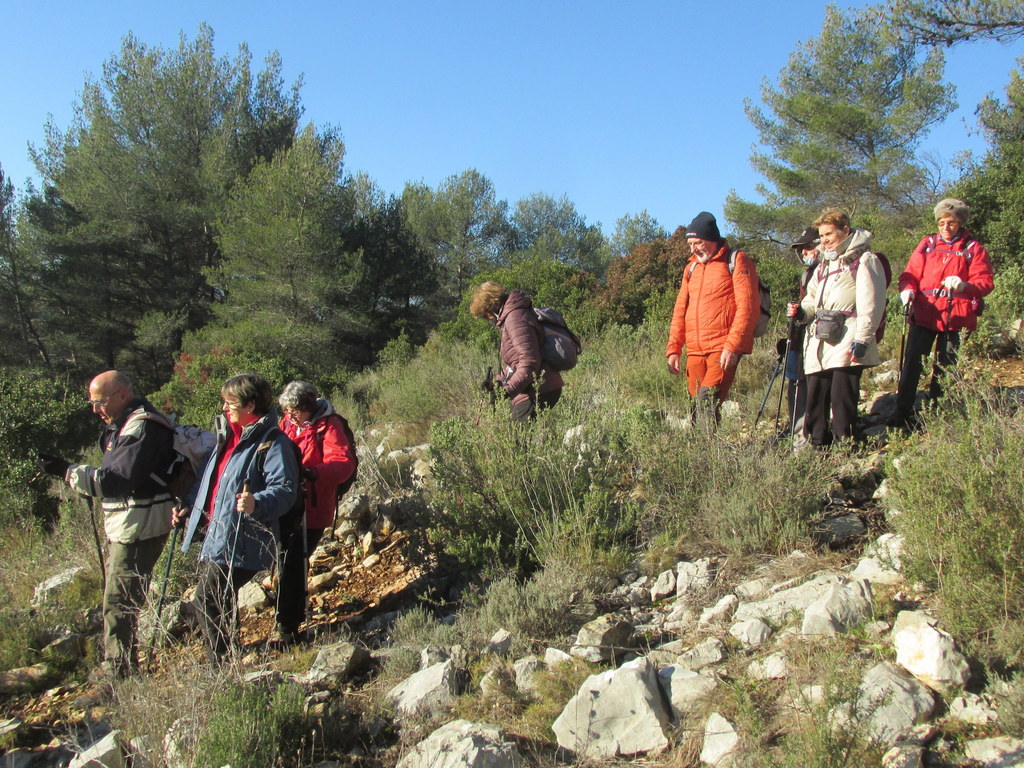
(561,347)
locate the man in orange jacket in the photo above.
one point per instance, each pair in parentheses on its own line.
(715,314)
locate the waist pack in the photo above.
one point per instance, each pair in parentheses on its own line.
(830,325)
(561,347)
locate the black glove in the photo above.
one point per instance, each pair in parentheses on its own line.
(309,473)
(52,465)
(858,350)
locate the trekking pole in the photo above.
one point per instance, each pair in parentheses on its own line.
(96,538)
(163,592)
(767,392)
(785,362)
(486,386)
(228,589)
(903,341)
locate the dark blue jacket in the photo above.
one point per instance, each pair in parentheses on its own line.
(252,538)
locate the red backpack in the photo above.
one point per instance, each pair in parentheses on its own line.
(887,268)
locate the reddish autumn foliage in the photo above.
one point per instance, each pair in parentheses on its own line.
(651,268)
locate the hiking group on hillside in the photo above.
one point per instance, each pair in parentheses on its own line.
(838,321)
(263,489)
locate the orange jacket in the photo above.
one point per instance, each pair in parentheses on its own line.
(716,310)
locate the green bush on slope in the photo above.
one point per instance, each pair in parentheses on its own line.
(960,496)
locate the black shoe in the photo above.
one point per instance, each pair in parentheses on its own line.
(283,637)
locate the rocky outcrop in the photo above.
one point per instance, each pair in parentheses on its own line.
(463,744)
(614,714)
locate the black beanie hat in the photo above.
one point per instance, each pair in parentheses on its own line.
(705,227)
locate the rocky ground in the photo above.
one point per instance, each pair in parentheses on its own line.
(377,566)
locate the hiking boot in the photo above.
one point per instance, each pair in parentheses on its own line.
(284,637)
(107,672)
(908,422)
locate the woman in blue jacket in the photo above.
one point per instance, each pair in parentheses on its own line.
(250,480)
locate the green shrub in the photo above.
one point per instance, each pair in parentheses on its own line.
(34,555)
(250,726)
(39,414)
(440,381)
(512,496)
(193,393)
(722,491)
(960,492)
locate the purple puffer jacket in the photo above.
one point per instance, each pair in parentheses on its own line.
(521,339)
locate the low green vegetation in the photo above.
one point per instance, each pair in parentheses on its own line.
(960,493)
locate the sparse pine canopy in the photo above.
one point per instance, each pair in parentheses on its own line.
(841,126)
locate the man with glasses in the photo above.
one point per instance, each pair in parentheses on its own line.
(137,443)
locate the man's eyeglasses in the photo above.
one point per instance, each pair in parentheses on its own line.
(104,401)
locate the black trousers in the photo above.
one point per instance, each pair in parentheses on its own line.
(217,600)
(832,398)
(527,409)
(291,584)
(919,344)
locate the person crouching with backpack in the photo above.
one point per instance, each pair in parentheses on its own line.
(528,382)
(942,289)
(249,482)
(844,304)
(328,464)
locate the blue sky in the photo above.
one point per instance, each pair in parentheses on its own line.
(619,106)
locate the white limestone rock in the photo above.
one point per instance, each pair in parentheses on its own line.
(555,656)
(974,709)
(105,753)
(928,653)
(777,607)
(336,663)
(603,639)
(890,703)
(752,633)
(841,607)
(684,689)
(664,586)
(48,590)
(705,654)
(429,689)
(1002,752)
(463,744)
(720,742)
(526,671)
(693,576)
(775,666)
(500,643)
(615,714)
(720,611)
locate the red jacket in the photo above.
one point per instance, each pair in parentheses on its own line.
(327,451)
(935,259)
(716,310)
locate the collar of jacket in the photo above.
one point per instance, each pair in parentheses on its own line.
(250,432)
(856,243)
(133,405)
(959,243)
(516,300)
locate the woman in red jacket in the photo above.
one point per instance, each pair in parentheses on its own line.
(947,276)
(328,463)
